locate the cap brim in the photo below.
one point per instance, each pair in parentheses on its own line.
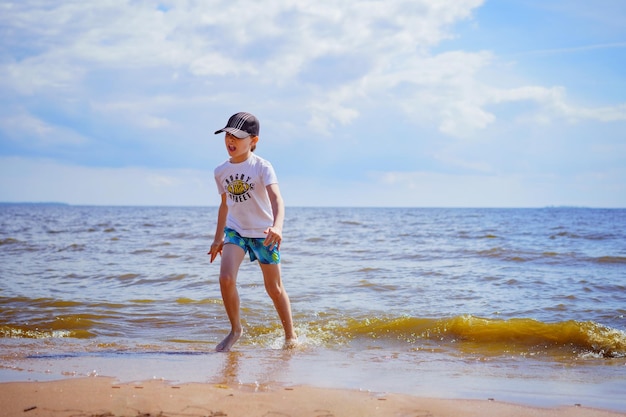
(240,134)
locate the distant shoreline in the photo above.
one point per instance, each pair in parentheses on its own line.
(27,203)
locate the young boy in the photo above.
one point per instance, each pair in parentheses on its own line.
(250,219)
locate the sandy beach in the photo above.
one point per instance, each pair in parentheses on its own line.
(103,397)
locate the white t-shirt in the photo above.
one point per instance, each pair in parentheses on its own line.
(249,206)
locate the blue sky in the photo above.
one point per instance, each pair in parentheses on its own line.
(453,103)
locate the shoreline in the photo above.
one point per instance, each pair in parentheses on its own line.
(105,397)
(531,385)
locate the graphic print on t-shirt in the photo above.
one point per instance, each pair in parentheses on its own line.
(238,187)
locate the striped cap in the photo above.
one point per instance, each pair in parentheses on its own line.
(241,125)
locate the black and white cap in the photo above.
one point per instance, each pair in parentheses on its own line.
(241,125)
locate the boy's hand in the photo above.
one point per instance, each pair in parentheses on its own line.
(274,237)
(216,249)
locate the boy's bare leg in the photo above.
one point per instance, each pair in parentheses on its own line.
(276,291)
(232,256)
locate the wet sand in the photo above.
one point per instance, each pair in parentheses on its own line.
(105,397)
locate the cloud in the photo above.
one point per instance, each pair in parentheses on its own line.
(575,49)
(378,49)
(502,190)
(139,112)
(203,39)
(44,180)
(554,101)
(338,85)
(431,189)
(31,131)
(602,114)
(217,64)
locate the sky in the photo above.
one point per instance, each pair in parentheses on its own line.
(393,103)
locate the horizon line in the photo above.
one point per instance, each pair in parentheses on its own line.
(549,206)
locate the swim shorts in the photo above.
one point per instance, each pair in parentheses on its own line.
(253,246)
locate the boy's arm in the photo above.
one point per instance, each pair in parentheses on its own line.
(218,241)
(275,233)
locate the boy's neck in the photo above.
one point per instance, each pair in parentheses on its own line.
(241,158)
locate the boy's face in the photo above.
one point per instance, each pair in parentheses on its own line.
(239,149)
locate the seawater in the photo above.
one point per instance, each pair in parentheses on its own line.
(407,299)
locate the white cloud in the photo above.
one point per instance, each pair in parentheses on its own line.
(503,190)
(145,83)
(46,180)
(602,114)
(218,64)
(139,112)
(40,73)
(554,101)
(34,132)
(206,41)
(461,118)
(388,40)
(575,49)
(429,189)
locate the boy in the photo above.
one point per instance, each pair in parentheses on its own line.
(250,219)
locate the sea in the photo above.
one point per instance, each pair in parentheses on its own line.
(522,305)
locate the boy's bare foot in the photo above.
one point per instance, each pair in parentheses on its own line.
(291,343)
(229,341)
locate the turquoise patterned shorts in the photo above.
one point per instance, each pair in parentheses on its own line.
(253,246)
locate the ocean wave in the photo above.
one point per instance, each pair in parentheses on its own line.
(587,236)
(29,332)
(12,245)
(467,334)
(520,335)
(9,241)
(611,259)
(552,257)
(74,247)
